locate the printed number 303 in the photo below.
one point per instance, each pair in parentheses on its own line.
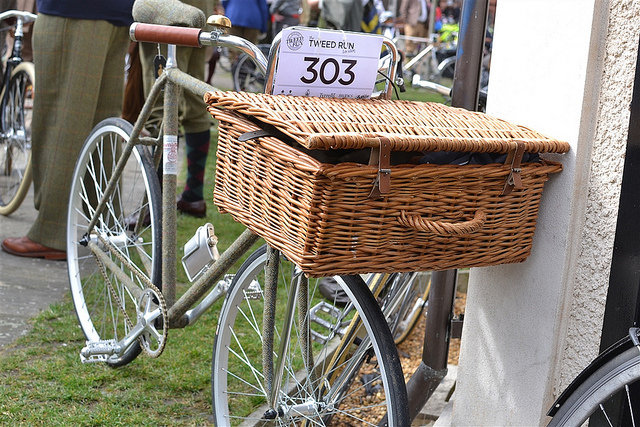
(329,71)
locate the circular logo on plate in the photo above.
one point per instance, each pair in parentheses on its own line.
(295,40)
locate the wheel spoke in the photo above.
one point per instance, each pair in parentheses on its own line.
(130,264)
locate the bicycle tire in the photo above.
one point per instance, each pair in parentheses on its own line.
(15,157)
(602,392)
(404,300)
(235,350)
(446,71)
(137,190)
(246,75)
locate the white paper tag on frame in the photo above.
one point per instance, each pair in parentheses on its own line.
(170,154)
(327,63)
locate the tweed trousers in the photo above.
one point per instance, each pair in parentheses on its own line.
(192,110)
(79,82)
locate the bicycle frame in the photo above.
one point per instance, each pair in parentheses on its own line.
(180,312)
(171,79)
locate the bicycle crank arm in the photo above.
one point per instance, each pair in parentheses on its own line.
(151,339)
(101,351)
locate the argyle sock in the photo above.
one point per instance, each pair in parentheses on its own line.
(197,150)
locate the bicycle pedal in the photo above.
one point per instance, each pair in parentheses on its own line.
(98,351)
(328,317)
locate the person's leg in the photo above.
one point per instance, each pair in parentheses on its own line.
(197,127)
(411,46)
(213,61)
(148,52)
(79,69)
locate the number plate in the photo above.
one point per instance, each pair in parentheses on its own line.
(327,63)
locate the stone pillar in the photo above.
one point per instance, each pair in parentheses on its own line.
(564,68)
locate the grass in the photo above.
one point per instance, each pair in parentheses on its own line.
(42,381)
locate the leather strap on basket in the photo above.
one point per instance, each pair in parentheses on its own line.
(514,159)
(382,157)
(443,228)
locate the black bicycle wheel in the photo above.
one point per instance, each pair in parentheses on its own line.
(605,395)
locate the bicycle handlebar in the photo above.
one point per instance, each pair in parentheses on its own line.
(26,16)
(195,37)
(180,36)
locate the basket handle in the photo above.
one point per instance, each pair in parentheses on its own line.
(443,228)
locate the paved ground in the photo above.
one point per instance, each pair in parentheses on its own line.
(26,285)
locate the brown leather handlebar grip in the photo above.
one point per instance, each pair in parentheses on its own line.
(165,34)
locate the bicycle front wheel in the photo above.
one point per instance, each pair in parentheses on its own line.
(246,75)
(110,264)
(403,301)
(445,72)
(15,140)
(605,395)
(349,374)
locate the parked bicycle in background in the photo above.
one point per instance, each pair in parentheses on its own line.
(16,108)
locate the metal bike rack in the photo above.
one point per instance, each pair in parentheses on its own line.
(465,93)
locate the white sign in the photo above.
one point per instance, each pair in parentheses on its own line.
(170,154)
(327,63)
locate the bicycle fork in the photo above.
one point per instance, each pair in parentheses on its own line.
(274,373)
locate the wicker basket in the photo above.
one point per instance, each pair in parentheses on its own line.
(350,218)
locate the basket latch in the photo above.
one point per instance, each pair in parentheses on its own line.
(514,159)
(382,157)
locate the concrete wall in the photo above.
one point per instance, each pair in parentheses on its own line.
(564,68)
(588,293)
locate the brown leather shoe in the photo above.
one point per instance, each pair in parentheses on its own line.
(197,209)
(25,247)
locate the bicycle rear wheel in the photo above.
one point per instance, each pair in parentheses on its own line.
(127,233)
(605,394)
(352,378)
(15,140)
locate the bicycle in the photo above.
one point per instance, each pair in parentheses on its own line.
(603,390)
(246,76)
(16,106)
(122,273)
(436,56)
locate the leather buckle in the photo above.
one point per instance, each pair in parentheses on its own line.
(382,157)
(514,179)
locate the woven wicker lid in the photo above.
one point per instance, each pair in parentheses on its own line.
(332,123)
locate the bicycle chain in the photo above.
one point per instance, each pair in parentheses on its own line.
(114,294)
(123,260)
(162,305)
